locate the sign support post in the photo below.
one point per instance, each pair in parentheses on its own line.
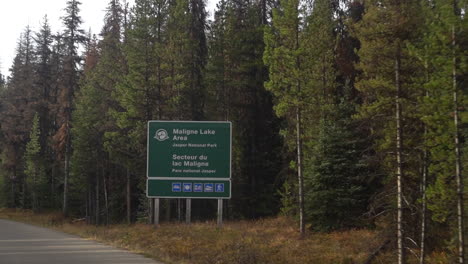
(156,212)
(220,213)
(188,211)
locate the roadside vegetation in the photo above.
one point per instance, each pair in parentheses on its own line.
(272,240)
(349,116)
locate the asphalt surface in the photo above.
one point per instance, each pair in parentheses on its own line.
(26,244)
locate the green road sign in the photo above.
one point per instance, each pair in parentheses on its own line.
(188,151)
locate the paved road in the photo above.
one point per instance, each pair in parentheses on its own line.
(26,244)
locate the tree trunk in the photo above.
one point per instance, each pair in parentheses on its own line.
(399,139)
(299,147)
(129,200)
(34,189)
(423,206)
(424,185)
(97,199)
(66,172)
(299,171)
(91,206)
(87,205)
(106,200)
(13,187)
(52,185)
(458,169)
(25,193)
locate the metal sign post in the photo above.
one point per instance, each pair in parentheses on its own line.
(220,213)
(188,210)
(156,212)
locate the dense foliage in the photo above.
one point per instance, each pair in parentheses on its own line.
(346,114)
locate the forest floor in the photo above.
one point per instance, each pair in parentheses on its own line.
(268,241)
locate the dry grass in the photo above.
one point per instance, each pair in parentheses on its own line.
(267,241)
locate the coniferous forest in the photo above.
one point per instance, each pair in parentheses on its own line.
(346,114)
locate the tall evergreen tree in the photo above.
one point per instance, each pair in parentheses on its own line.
(104,68)
(285,57)
(235,81)
(389,95)
(19,100)
(110,70)
(34,165)
(339,176)
(443,51)
(186,58)
(44,83)
(3,186)
(73,37)
(139,94)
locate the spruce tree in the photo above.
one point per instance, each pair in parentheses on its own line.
(186,58)
(340,180)
(87,121)
(34,165)
(3,178)
(44,81)
(73,37)
(103,70)
(19,101)
(236,92)
(138,94)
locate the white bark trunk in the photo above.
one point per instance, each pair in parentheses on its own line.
(458,173)
(399,172)
(422,252)
(299,171)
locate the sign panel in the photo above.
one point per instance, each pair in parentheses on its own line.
(180,188)
(183,156)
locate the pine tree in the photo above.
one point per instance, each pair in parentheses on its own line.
(389,95)
(34,165)
(186,58)
(44,81)
(72,38)
(110,70)
(104,68)
(197,49)
(3,179)
(443,47)
(87,121)
(319,42)
(19,101)
(139,93)
(236,92)
(44,84)
(285,57)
